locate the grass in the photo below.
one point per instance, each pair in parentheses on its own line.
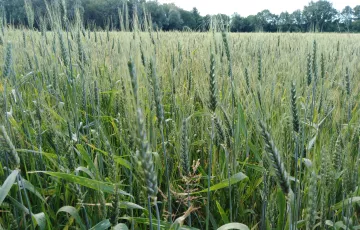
(162,130)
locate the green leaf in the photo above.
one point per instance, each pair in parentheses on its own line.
(122,161)
(120,227)
(281,201)
(20,206)
(129,205)
(213,221)
(346,202)
(40,220)
(340,225)
(55,115)
(254,149)
(50,156)
(28,186)
(329,223)
(90,183)
(253,185)
(234,226)
(311,143)
(252,166)
(300,224)
(31,188)
(85,170)
(47,155)
(103,225)
(74,213)
(225,183)
(163,224)
(79,148)
(117,159)
(224,218)
(8,183)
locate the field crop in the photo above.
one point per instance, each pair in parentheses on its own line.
(178,130)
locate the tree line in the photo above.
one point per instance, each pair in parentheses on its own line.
(319,16)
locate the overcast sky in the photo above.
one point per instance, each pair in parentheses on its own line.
(248,7)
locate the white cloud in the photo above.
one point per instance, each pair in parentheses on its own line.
(245,8)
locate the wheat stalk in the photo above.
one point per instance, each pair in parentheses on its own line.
(8,61)
(309,71)
(311,208)
(213,97)
(13,153)
(296,125)
(278,165)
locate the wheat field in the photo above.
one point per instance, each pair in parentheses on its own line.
(178,130)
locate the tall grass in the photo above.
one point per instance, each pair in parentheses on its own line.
(180,130)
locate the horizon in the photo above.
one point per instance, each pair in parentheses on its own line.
(253,7)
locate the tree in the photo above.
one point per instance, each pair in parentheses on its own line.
(347,15)
(284,21)
(15,11)
(206,23)
(100,12)
(266,21)
(175,20)
(355,27)
(158,14)
(298,21)
(236,24)
(197,18)
(317,14)
(188,19)
(357,12)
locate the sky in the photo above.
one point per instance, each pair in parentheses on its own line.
(248,7)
